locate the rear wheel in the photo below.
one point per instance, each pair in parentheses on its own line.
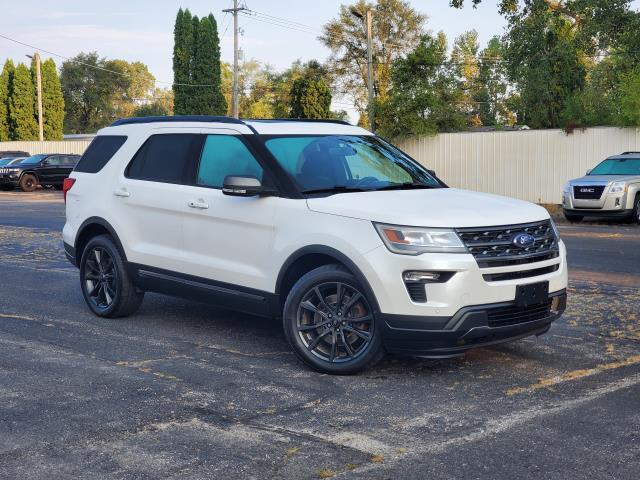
(106,285)
(329,322)
(573,218)
(28,182)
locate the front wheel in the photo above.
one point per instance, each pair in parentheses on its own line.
(106,285)
(329,322)
(28,182)
(636,210)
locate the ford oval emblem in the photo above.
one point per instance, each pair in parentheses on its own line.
(523,240)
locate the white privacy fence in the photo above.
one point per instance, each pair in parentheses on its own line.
(531,165)
(75,146)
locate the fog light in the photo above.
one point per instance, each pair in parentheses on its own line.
(421,277)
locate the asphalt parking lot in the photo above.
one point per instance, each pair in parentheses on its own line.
(186,390)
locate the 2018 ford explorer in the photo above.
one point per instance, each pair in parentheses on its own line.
(358,249)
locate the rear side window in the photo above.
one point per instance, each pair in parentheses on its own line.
(163,158)
(97,155)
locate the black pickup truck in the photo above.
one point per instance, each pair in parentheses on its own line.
(43,169)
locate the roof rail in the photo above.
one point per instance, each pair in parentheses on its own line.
(309,120)
(176,118)
(628,153)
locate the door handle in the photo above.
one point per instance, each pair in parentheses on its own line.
(122,193)
(199,204)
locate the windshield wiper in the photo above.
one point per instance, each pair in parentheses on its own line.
(337,189)
(405,186)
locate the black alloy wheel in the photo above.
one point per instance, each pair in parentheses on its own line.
(330,323)
(106,285)
(335,322)
(100,278)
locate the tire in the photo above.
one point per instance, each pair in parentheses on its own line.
(635,215)
(337,345)
(105,282)
(28,182)
(573,218)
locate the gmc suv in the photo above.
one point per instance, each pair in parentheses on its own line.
(611,189)
(41,169)
(359,249)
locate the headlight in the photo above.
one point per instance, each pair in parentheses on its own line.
(567,187)
(618,187)
(417,240)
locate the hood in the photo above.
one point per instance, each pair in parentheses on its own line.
(604,179)
(439,207)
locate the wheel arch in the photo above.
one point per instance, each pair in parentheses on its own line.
(92,227)
(313,256)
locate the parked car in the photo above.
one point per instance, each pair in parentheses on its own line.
(611,190)
(41,169)
(13,153)
(354,245)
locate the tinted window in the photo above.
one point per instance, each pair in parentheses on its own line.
(32,160)
(621,166)
(100,151)
(163,158)
(55,161)
(225,155)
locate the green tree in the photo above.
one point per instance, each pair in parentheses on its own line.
(6,88)
(91,93)
(205,70)
(22,105)
(425,95)
(396,30)
(310,98)
(182,58)
(492,86)
(52,102)
(629,99)
(151,109)
(136,85)
(545,61)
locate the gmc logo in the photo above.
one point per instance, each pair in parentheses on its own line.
(587,190)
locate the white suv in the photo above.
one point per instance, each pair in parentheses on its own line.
(357,247)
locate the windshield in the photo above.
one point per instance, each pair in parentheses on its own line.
(618,166)
(31,160)
(5,161)
(347,163)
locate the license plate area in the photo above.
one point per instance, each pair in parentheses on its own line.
(532,294)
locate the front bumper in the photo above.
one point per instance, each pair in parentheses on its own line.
(6,180)
(583,212)
(470,327)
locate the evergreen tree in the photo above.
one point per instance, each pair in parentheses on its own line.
(310,98)
(182,58)
(205,70)
(6,86)
(21,105)
(52,101)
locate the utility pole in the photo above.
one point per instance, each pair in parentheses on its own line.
(370,72)
(234,11)
(36,57)
(368,18)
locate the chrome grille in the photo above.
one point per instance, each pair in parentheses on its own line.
(494,247)
(588,192)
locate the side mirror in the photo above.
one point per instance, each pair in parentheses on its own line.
(244,186)
(45,163)
(588,171)
(432,172)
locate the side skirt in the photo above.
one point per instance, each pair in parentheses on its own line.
(226,295)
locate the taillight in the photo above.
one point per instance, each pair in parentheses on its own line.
(66,186)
